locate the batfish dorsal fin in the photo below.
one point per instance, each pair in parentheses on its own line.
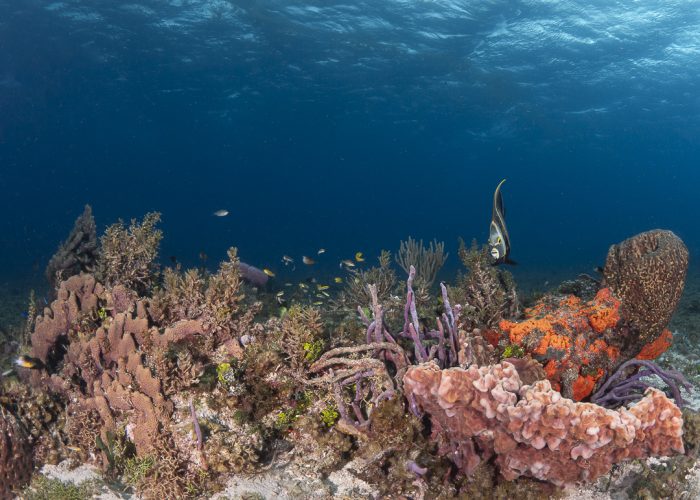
(498,200)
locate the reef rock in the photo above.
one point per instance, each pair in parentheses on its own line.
(16,463)
(479,413)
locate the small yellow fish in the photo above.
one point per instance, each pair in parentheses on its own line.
(321,250)
(318,303)
(325,294)
(338,279)
(308,260)
(29,362)
(279,294)
(74,448)
(269,273)
(347,262)
(221,213)
(322,287)
(359,257)
(303,286)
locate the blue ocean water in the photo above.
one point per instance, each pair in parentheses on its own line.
(349,125)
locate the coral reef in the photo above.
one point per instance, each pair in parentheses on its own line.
(78,254)
(119,362)
(647,274)
(128,255)
(480,413)
(170,381)
(16,460)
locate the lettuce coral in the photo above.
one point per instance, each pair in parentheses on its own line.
(531,430)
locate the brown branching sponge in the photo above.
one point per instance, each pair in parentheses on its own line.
(647,273)
(78,253)
(128,255)
(531,430)
(214,301)
(16,460)
(487,293)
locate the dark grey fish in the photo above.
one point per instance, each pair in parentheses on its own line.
(499,241)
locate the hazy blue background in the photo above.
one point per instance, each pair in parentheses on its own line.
(349,125)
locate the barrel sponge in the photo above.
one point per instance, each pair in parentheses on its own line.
(16,462)
(647,273)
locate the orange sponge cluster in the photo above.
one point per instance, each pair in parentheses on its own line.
(576,341)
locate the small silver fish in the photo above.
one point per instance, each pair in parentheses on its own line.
(221,213)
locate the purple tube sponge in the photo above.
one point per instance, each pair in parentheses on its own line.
(620,388)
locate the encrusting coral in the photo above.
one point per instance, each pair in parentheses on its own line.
(531,430)
(78,254)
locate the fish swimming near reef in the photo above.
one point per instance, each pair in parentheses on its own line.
(220,213)
(308,260)
(499,241)
(28,362)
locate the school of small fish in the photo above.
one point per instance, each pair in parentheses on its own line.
(499,244)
